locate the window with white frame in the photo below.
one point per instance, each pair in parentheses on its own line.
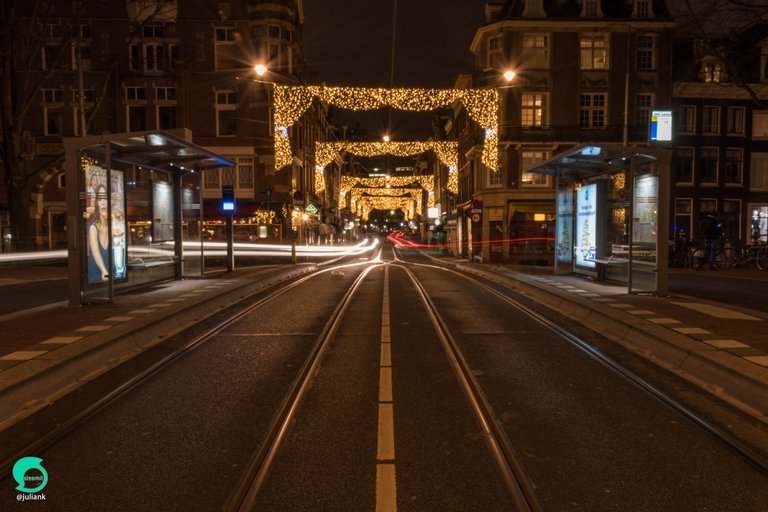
(735,121)
(135,108)
(535,51)
(646,52)
(528,160)
(683,165)
(494,52)
(53,111)
(274,31)
(225,48)
(758,171)
(135,93)
(495,179)
(594,51)
(708,160)
(710,120)
(732,166)
(226,113)
(533,109)
(153,31)
(592,112)
(643,104)
(274,52)
(707,206)
(760,124)
(687,119)
(165,94)
(154,57)
(245,173)
(683,217)
(212,180)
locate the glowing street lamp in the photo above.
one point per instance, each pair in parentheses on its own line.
(509,75)
(260,69)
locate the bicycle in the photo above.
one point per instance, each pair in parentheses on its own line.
(680,251)
(725,255)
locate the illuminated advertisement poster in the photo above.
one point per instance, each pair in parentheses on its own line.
(586,224)
(564,234)
(162,211)
(99,215)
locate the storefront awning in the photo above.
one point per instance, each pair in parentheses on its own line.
(588,160)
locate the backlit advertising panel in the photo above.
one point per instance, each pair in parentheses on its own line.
(564,235)
(586,226)
(102,209)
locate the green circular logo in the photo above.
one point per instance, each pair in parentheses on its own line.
(30,483)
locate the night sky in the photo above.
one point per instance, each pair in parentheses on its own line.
(349,42)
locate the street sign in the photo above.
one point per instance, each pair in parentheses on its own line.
(227,198)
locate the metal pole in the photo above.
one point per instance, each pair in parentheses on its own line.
(626,88)
(230,244)
(81,90)
(178,242)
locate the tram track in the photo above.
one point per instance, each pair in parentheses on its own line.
(61,430)
(754,457)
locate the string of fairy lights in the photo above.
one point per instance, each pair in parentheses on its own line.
(291,102)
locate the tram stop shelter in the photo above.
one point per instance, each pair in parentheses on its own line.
(612,220)
(134,211)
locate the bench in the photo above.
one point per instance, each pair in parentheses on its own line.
(156,261)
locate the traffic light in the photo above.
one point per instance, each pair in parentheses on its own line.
(227,198)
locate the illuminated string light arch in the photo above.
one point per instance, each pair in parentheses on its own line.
(291,101)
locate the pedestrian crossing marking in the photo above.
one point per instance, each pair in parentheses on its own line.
(715,311)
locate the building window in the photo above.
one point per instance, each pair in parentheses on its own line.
(708,166)
(225,48)
(245,173)
(495,179)
(273,31)
(683,220)
(165,93)
(166,117)
(683,165)
(758,171)
(732,166)
(732,218)
(533,110)
(53,111)
(643,104)
(592,111)
(153,31)
(687,119)
(643,9)
(535,51)
(646,46)
(135,93)
(591,9)
(735,121)
(710,120)
(226,113)
(136,118)
(594,51)
(760,124)
(712,72)
(494,53)
(212,180)
(154,57)
(528,160)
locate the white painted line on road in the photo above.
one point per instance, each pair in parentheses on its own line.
(604,299)
(385,384)
(23,355)
(140,311)
(621,305)
(386,488)
(716,311)
(386,445)
(386,354)
(93,328)
(61,340)
(119,318)
(726,344)
(640,312)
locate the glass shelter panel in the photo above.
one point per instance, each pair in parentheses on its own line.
(645,226)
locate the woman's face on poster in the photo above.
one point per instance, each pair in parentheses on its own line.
(101,201)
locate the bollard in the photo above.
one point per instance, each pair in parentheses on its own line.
(293,251)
